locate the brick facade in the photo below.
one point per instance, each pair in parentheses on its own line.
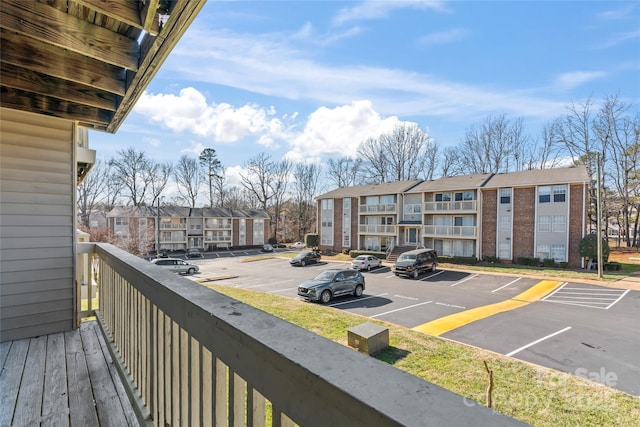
(489,223)
(524,220)
(576,224)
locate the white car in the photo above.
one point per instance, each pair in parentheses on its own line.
(366,262)
(298,245)
(176,265)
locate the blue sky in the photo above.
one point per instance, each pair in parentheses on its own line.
(310,80)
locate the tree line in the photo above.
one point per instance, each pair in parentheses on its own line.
(608,133)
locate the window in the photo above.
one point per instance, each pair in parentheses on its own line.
(559,224)
(543,252)
(544,194)
(505,223)
(505,196)
(122,221)
(458,197)
(412,208)
(544,223)
(558,253)
(467,195)
(443,197)
(327,204)
(504,250)
(559,193)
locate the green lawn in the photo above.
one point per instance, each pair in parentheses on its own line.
(533,394)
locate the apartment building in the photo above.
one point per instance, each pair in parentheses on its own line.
(180,228)
(536,213)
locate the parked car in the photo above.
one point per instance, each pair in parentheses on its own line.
(332,283)
(279,245)
(413,263)
(304,258)
(267,248)
(176,265)
(298,245)
(194,253)
(366,262)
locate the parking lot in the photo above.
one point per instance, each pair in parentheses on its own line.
(582,329)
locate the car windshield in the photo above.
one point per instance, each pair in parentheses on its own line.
(407,257)
(325,275)
(361,258)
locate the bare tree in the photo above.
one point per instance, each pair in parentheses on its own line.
(188,179)
(281,171)
(344,172)
(374,162)
(407,151)
(211,169)
(487,148)
(306,178)
(158,176)
(450,164)
(220,188)
(92,191)
(132,169)
(257,178)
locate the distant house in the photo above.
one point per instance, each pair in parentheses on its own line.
(536,213)
(182,228)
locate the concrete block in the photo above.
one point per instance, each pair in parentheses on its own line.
(368,338)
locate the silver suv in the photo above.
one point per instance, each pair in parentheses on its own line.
(332,283)
(176,265)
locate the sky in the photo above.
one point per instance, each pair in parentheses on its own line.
(311,80)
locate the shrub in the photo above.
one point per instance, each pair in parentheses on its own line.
(563,264)
(530,261)
(613,266)
(345,251)
(589,247)
(549,262)
(354,253)
(463,260)
(492,259)
(311,240)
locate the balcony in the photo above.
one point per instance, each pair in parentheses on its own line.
(218,225)
(188,355)
(461,232)
(457,206)
(173,226)
(378,209)
(377,229)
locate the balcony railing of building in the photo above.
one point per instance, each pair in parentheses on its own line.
(455,206)
(377,229)
(173,226)
(461,231)
(217,225)
(192,356)
(216,239)
(378,209)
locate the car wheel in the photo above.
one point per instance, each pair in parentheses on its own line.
(191,271)
(433,268)
(415,273)
(325,297)
(369,267)
(302,263)
(358,292)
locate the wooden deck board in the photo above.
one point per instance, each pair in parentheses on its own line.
(60,380)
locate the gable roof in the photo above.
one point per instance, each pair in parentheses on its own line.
(370,190)
(575,174)
(86,60)
(461,182)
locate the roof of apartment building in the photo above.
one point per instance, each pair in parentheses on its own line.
(451,183)
(370,189)
(575,174)
(184,212)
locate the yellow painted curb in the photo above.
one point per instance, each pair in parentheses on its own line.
(453,321)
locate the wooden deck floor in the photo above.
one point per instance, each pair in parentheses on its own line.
(60,380)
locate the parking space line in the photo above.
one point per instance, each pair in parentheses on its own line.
(510,283)
(454,321)
(464,280)
(602,299)
(433,275)
(524,347)
(619,298)
(400,309)
(358,300)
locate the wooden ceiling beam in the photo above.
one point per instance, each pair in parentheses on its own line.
(31,81)
(60,29)
(35,56)
(40,104)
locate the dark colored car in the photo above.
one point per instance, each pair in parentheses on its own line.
(279,245)
(332,283)
(413,263)
(194,253)
(267,248)
(304,258)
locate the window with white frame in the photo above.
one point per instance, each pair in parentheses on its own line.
(559,224)
(544,223)
(505,223)
(417,208)
(346,222)
(327,204)
(544,194)
(443,197)
(559,193)
(258,231)
(326,221)
(543,251)
(558,253)
(504,250)
(505,196)
(122,221)
(242,229)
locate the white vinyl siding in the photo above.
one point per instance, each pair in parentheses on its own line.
(37,207)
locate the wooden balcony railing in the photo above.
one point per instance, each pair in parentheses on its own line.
(192,356)
(455,206)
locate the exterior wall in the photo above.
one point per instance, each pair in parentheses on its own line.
(524,214)
(235,234)
(576,224)
(337,224)
(489,223)
(37,231)
(504,232)
(249,232)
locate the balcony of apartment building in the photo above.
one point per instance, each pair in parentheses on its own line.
(450,231)
(176,224)
(218,224)
(372,209)
(378,229)
(164,350)
(220,238)
(451,206)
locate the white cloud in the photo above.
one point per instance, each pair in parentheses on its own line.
(617,39)
(189,112)
(339,131)
(375,9)
(445,37)
(577,78)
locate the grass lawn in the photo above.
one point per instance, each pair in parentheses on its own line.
(533,394)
